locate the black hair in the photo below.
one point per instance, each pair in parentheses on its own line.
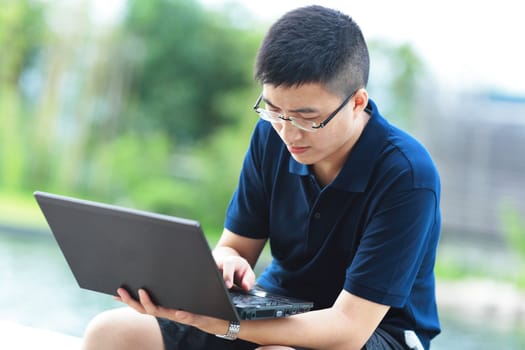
(314,44)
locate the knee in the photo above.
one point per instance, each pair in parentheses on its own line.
(114,329)
(102,330)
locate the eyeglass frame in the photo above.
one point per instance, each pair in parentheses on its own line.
(314,127)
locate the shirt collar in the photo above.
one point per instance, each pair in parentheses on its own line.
(358,167)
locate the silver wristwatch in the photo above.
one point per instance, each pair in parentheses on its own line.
(233,331)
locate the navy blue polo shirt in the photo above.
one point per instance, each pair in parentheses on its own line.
(373,231)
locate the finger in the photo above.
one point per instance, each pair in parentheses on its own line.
(244,275)
(127,299)
(248,280)
(228,271)
(147,304)
(159,311)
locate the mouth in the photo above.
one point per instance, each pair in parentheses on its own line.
(297,150)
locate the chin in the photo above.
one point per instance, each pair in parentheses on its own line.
(303,160)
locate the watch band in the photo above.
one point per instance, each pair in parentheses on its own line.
(233,331)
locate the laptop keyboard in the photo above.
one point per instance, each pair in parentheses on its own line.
(248,299)
(258,304)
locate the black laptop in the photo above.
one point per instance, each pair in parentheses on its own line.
(108,247)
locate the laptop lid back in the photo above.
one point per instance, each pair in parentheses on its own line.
(107,247)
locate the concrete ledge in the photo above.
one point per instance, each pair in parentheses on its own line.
(495,302)
(17,337)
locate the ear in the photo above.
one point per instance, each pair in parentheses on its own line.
(360,100)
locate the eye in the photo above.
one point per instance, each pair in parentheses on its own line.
(312,119)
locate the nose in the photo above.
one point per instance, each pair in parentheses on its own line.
(289,133)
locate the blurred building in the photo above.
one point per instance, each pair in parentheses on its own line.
(478,143)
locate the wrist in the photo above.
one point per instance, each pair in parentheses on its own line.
(224,252)
(233,331)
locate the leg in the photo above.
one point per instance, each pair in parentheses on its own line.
(383,340)
(123,329)
(181,337)
(278,347)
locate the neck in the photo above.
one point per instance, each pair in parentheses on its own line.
(327,170)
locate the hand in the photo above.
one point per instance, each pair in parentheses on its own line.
(145,306)
(235,269)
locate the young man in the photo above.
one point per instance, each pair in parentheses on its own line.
(348,203)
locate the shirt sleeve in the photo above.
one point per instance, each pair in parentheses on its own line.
(394,247)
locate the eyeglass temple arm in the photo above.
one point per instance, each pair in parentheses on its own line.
(256,105)
(331,116)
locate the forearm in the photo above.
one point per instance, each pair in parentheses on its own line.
(328,329)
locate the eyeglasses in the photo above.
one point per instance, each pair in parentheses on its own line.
(301,123)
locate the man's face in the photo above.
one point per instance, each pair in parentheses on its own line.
(314,102)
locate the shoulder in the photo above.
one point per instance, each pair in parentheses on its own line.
(404,154)
(397,159)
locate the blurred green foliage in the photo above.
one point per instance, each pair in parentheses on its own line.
(190,61)
(153,112)
(21,36)
(514,225)
(401,70)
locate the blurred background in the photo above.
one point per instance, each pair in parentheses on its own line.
(147,104)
